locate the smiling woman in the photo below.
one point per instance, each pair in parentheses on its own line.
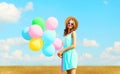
(68,53)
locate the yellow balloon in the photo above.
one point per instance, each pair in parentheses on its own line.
(36,44)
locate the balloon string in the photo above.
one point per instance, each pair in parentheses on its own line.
(61,71)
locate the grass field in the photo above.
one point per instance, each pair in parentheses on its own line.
(56,70)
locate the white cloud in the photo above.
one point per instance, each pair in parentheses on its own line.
(17,54)
(29,6)
(27,57)
(6,44)
(111,53)
(110,56)
(90,43)
(86,56)
(105,2)
(85,59)
(9,13)
(5,55)
(15,41)
(17,58)
(5,47)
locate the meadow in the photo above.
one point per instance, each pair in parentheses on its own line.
(56,70)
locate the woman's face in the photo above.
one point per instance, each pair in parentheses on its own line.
(70,24)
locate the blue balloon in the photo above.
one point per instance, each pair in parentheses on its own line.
(48,37)
(49,51)
(25,34)
(45,45)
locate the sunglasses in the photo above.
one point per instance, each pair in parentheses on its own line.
(70,23)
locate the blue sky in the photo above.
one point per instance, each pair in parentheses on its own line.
(98,36)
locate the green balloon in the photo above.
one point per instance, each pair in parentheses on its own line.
(40,22)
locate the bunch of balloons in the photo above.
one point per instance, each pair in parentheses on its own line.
(42,36)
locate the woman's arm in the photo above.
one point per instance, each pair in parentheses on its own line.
(70,47)
(73,44)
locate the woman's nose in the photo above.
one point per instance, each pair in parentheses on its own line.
(68,24)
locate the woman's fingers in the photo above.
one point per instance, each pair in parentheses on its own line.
(59,54)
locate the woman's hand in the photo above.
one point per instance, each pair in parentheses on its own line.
(60,53)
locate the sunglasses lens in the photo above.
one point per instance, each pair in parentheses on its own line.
(68,22)
(72,24)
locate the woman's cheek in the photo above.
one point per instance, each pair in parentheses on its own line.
(68,27)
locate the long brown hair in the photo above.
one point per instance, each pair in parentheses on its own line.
(74,27)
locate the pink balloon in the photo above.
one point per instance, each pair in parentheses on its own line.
(35,31)
(58,43)
(51,23)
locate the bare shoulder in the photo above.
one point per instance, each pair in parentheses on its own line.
(73,33)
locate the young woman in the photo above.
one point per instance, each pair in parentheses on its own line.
(68,54)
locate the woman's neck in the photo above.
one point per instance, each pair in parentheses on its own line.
(68,30)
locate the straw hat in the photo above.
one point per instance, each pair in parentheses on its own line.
(74,19)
